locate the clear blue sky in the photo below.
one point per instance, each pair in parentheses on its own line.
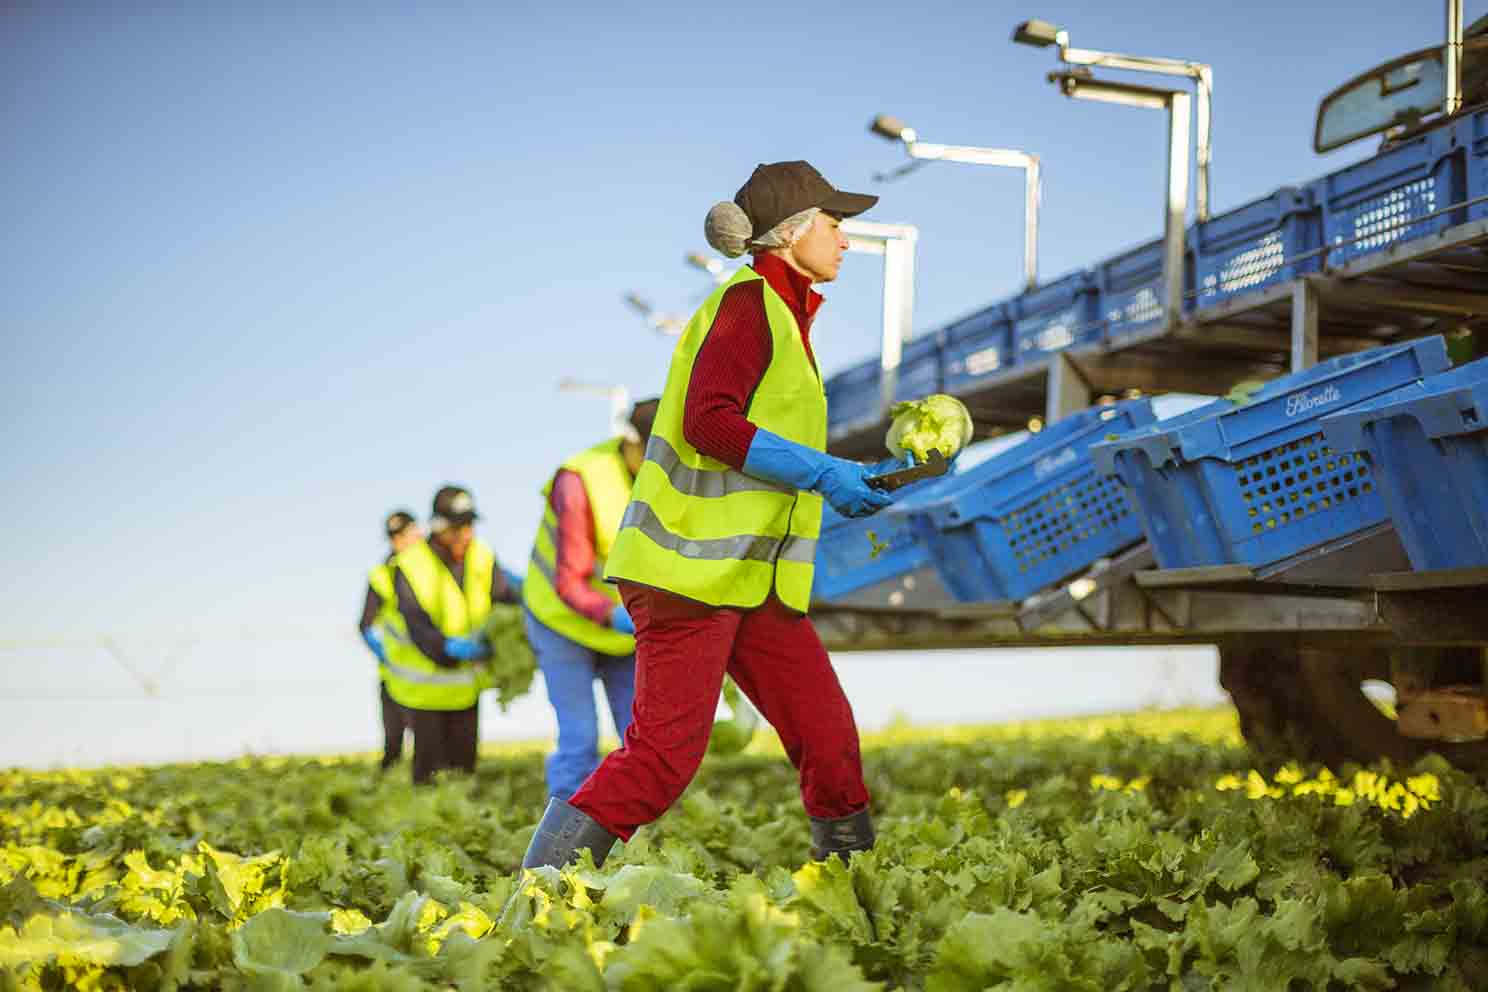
(270,270)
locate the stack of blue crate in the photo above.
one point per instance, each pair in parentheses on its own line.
(1427,444)
(1035,514)
(1257,483)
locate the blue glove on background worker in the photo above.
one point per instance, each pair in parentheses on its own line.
(373,637)
(620,620)
(467,648)
(842,483)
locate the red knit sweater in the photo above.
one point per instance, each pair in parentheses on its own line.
(734,358)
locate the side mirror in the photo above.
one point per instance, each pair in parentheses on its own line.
(1401,91)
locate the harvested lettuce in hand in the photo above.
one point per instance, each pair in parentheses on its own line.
(512,664)
(937,422)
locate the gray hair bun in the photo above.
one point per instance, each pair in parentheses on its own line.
(728,229)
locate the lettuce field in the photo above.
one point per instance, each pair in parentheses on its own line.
(1148,852)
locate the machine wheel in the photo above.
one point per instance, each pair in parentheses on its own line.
(1277,719)
(1310,703)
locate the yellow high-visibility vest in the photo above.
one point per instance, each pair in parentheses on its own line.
(607,483)
(697,527)
(389,620)
(413,679)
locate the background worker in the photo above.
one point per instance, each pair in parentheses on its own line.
(715,552)
(575,621)
(380,621)
(444,590)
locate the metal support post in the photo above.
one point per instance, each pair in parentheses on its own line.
(896,244)
(1304,324)
(1032,195)
(1204,145)
(1067,391)
(1176,208)
(1453,67)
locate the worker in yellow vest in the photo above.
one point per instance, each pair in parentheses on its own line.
(444,589)
(715,552)
(575,621)
(380,621)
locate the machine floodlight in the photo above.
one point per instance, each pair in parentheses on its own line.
(1039,34)
(892,128)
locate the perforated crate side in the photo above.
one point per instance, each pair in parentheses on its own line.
(975,347)
(1279,499)
(1428,445)
(1399,195)
(1056,315)
(1274,239)
(1037,513)
(1131,289)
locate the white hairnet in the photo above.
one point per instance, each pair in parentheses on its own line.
(729,231)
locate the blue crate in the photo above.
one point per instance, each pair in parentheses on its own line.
(1427,444)
(1056,315)
(845,559)
(1472,134)
(977,346)
(1131,289)
(919,368)
(853,397)
(1257,483)
(1256,245)
(1035,514)
(854,394)
(1392,197)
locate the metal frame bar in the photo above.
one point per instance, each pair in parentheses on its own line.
(1453,62)
(1175,196)
(1203,77)
(896,243)
(1011,158)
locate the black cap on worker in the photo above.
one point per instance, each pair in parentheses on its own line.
(453,507)
(398,521)
(780,189)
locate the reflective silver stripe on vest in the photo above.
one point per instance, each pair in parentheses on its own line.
(431,678)
(547,570)
(701,482)
(390,632)
(745,547)
(799,549)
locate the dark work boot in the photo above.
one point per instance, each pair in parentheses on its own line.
(562,833)
(841,836)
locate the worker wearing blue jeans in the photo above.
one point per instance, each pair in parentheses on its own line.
(576,624)
(569,669)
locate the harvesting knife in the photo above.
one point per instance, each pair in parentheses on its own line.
(934,465)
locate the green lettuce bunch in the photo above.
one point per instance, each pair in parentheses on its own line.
(512,664)
(938,422)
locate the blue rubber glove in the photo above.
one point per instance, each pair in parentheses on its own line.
(843,483)
(373,637)
(467,648)
(620,620)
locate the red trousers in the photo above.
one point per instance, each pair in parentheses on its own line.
(683,649)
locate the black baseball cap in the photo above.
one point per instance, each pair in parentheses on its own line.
(781,189)
(453,507)
(398,521)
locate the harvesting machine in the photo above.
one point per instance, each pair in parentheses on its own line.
(1292,525)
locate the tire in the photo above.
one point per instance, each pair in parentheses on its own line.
(1310,704)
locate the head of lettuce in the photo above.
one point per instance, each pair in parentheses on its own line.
(938,422)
